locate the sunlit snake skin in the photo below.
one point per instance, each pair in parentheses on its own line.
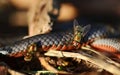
(57,40)
(111,46)
(101,31)
(44,41)
(107,44)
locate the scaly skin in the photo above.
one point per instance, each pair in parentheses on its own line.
(111,46)
(107,44)
(59,41)
(44,41)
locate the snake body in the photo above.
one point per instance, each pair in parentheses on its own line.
(110,45)
(60,41)
(44,41)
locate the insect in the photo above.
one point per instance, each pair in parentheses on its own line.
(79,32)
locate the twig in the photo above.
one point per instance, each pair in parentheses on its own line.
(13,72)
(102,56)
(91,56)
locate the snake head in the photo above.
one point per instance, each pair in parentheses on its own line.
(80,31)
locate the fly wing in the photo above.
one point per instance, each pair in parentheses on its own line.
(85,30)
(77,27)
(75,24)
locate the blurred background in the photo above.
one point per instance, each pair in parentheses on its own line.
(14,14)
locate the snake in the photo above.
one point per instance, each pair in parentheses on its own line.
(97,36)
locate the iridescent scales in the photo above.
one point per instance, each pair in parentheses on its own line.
(107,45)
(100,31)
